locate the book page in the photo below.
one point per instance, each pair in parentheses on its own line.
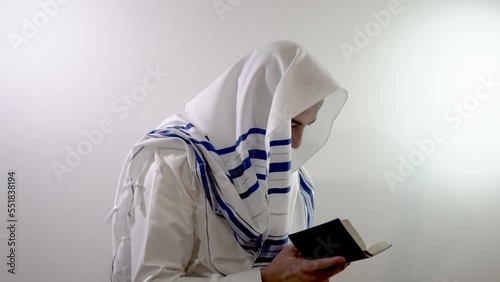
(378,247)
(354,234)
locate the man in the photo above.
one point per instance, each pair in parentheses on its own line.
(212,193)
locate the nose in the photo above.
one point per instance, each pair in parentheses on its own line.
(297,136)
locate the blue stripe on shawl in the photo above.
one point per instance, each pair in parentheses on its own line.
(257,154)
(306,191)
(186,127)
(250,190)
(279,190)
(246,163)
(236,221)
(239,170)
(280,167)
(231,149)
(304,185)
(280,142)
(274,242)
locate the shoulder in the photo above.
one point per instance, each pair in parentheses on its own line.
(175,167)
(178,161)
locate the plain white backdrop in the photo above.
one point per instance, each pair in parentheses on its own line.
(412,159)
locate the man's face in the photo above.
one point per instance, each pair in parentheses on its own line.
(302,120)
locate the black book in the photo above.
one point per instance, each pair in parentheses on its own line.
(335,238)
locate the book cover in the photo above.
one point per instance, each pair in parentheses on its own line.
(333,239)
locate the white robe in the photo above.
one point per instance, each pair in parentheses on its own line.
(170,242)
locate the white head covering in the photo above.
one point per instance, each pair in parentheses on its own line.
(266,89)
(239,131)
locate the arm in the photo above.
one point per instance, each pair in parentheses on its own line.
(162,238)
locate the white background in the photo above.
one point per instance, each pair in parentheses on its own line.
(443,219)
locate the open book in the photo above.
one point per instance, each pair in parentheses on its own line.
(335,238)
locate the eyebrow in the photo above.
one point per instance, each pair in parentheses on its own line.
(300,123)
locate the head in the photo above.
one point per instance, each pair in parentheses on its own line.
(302,120)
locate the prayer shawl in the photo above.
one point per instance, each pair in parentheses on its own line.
(239,132)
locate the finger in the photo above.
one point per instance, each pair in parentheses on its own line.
(312,265)
(325,275)
(290,249)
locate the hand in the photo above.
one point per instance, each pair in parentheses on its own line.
(289,266)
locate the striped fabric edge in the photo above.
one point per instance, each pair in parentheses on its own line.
(307,193)
(248,238)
